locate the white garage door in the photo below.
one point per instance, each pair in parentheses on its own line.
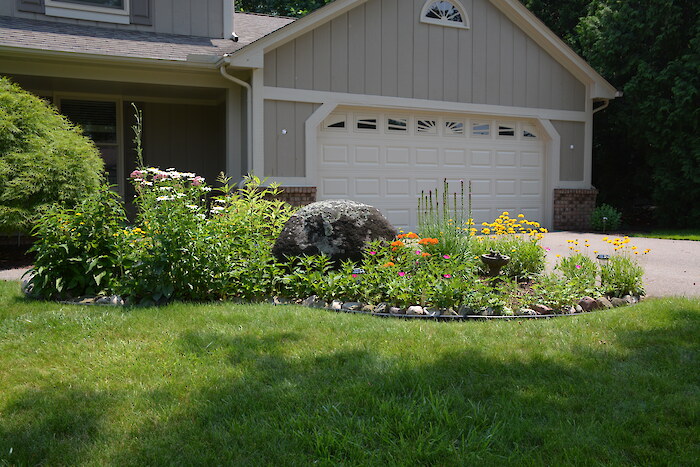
(386,159)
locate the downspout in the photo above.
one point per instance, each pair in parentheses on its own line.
(249,105)
(604,106)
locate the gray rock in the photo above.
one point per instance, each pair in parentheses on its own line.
(526,312)
(336,305)
(415,310)
(396,310)
(112,300)
(276,300)
(579,309)
(618,302)
(486,311)
(588,304)
(604,303)
(27,286)
(337,228)
(630,299)
(571,310)
(369,308)
(381,308)
(542,309)
(352,306)
(310,300)
(449,312)
(465,310)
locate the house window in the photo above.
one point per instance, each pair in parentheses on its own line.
(335,123)
(454,128)
(110,11)
(445,13)
(366,123)
(481,129)
(426,127)
(506,130)
(396,125)
(98,119)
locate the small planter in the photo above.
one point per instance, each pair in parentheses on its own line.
(494,261)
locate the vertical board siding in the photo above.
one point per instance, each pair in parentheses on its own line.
(571,160)
(285,153)
(382,48)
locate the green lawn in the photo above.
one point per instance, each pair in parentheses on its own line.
(253,384)
(679,234)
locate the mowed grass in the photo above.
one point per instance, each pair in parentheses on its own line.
(229,384)
(679,234)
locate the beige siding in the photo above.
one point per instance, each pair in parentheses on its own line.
(381,48)
(285,153)
(571,158)
(188,17)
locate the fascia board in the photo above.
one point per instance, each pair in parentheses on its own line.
(249,53)
(96,59)
(550,42)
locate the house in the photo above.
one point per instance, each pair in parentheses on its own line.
(372,100)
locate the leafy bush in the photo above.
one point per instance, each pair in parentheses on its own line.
(79,251)
(579,268)
(44,159)
(605,218)
(621,275)
(527,258)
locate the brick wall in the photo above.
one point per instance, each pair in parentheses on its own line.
(297,195)
(573,208)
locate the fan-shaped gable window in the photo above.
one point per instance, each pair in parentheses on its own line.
(445,13)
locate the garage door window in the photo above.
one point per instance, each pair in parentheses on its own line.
(481,129)
(336,123)
(506,130)
(454,128)
(366,123)
(426,127)
(396,125)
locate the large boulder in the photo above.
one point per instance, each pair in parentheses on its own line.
(337,228)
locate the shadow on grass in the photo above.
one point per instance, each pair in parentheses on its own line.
(633,404)
(632,401)
(50,425)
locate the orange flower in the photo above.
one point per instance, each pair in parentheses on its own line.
(428,241)
(388,264)
(425,254)
(397,243)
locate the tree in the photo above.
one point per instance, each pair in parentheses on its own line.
(295,8)
(44,159)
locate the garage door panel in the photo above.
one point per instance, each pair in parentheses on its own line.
(367,155)
(480,159)
(396,156)
(531,159)
(398,187)
(531,188)
(427,157)
(505,159)
(367,187)
(505,187)
(455,158)
(335,187)
(334,154)
(399,218)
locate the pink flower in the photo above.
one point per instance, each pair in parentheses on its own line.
(136,174)
(372,252)
(547,248)
(196,181)
(401,273)
(578,266)
(418,252)
(446,256)
(160,176)
(447,276)
(354,275)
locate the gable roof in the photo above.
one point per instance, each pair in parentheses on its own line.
(252,54)
(49,36)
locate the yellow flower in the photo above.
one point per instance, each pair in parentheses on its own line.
(521,215)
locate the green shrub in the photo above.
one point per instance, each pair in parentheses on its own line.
(527,258)
(44,159)
(579,268)
(605,218)
(621,275)
(79,251)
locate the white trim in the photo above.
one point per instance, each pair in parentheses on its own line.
(464,24)
(551,169)
(337,98)
(65,9)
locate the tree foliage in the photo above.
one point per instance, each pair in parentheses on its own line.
(294,8)
(647,143)
(44,159)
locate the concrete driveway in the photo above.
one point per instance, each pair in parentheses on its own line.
(672,267)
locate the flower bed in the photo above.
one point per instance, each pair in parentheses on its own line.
(194,244)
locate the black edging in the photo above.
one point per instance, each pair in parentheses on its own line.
(460,317)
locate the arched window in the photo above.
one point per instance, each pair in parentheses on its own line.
(445,13)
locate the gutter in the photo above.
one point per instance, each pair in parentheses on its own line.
(249,105)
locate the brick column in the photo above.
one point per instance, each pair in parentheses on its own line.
(297,195)
(573,208)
